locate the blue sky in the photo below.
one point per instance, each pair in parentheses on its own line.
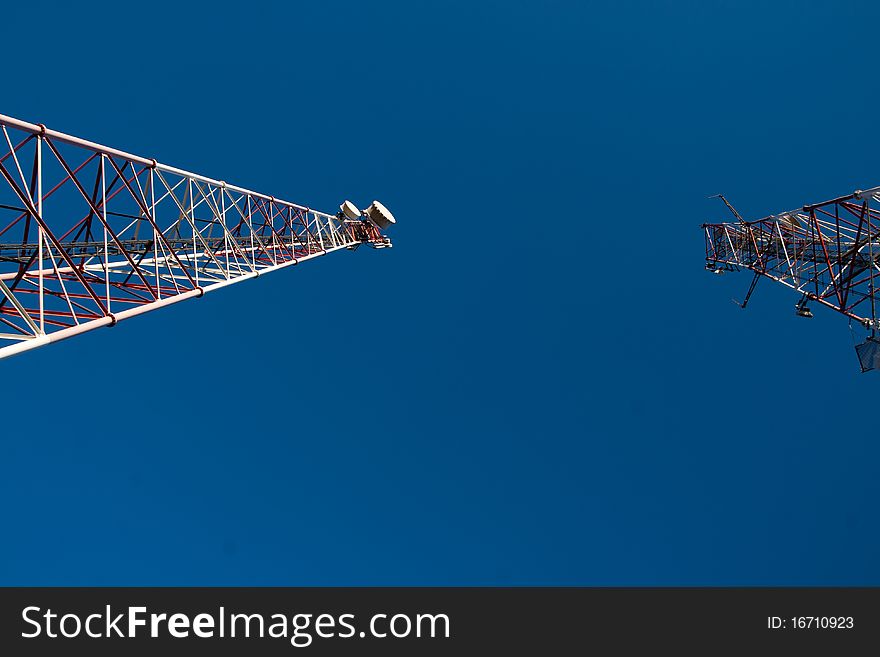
(542,385)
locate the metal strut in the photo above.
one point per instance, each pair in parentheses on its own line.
(754,284)
(729,207)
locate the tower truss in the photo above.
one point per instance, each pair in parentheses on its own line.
(91,235)
(827,252)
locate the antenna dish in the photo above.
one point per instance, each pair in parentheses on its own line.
(350,210)
(379,215)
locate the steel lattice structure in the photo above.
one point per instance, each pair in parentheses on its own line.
(828,252)
(91,235)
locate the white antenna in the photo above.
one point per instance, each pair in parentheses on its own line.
(380,215)
(350,210)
